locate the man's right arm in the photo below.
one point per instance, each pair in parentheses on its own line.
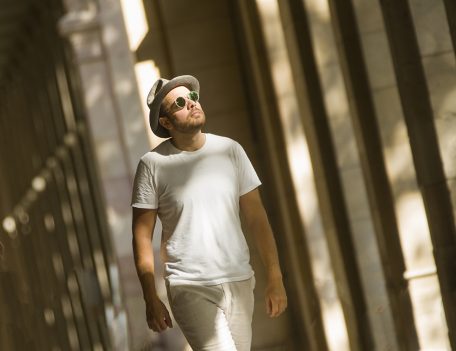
(143,224)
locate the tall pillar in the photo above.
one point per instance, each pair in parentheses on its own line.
(309,330)
(379,193)
(419,118)
(331,201)
(83,25)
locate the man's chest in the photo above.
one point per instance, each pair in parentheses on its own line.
(195,179)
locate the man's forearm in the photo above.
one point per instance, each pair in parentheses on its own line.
(144,262)
(266,245)
(258,225)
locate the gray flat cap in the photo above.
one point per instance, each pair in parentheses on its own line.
(158,92)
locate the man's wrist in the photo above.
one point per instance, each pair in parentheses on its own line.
(274,273)
(147,280)
(150,297)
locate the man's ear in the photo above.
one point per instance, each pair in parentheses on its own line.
(165,123)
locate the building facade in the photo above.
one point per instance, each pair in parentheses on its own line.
(346,109)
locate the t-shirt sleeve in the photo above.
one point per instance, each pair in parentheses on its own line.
(144,194)
(248,178)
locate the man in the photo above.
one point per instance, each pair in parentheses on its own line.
(198,184)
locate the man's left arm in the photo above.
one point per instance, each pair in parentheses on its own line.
(257,223)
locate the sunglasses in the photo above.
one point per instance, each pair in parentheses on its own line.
(181,101)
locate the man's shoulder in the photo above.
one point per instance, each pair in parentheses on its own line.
(157,152)
(222,140)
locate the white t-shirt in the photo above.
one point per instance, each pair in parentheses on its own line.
(197,197)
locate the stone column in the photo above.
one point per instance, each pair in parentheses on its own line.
(420,118)
(115,121)
(327,181)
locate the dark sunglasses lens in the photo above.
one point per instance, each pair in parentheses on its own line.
(194,96)
(180,102)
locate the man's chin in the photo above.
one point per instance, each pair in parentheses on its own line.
(192,128)
(197,120)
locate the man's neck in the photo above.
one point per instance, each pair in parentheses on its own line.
(189,142)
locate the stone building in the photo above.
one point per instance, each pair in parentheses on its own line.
(346,108)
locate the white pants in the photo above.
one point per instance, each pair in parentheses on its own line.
(216,317)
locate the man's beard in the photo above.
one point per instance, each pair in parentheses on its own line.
(191,124)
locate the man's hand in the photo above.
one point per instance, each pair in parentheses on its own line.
(158,318)
(276,297)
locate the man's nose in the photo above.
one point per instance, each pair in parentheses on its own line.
(190,103)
